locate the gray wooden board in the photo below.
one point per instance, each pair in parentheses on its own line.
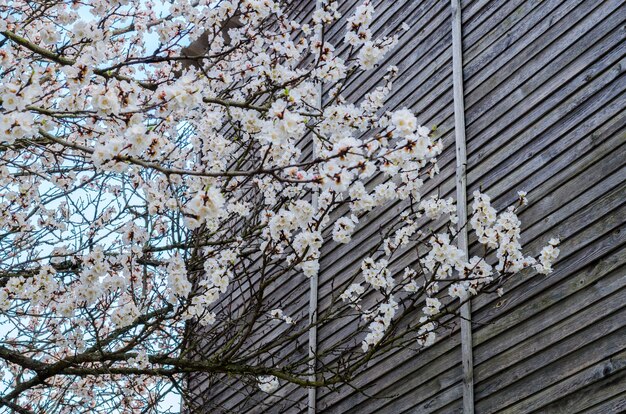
(616,404)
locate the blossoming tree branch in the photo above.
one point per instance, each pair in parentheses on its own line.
(154,200)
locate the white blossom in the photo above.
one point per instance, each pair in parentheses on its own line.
(268,383)
(278,314)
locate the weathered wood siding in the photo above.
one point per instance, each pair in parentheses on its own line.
(545,109)
(545,97)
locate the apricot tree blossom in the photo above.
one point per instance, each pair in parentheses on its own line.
(151,193)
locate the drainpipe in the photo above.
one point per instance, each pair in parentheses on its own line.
(461,197)
(313,289)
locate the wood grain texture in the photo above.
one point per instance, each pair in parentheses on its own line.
(544,110)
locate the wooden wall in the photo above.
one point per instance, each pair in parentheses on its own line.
(545,97)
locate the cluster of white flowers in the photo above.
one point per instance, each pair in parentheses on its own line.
(240,208)
(282,224)
(522,195)
(15,96)
(503,233)
(547,256)
(208,204)
(443,257)
(183,94)
(37,289)
(477,272)
(435,207)
(376,273)
(432,307)
(105,101)
(372,52)
(125,315)
(401,236)
(343,229)
(404,122)
(352,293)
(217,280)
(268,383)
(15,125)
(426,335)
(358,24)
(89,287)
(309,243)
(484,215)
(279,314)
(177,282)
(199,307)
(444,260)
(217,274)
(508,230)
(381,318)
(294,227)
(140,360)
(408,280)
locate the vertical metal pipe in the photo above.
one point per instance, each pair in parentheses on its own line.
(461,195)
(313,289)
(312,342)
